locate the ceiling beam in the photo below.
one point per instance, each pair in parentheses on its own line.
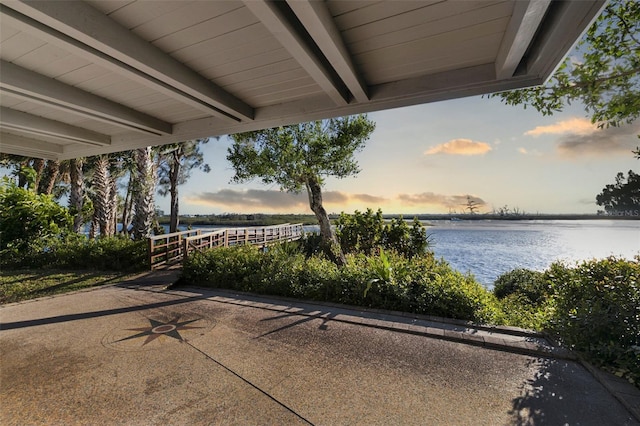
(20,145)
(11,119)
(83,30)
(522,27)
(294,39)
(28,85)
(566,21)
(317,20)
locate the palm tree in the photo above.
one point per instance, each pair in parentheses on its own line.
(102,198)
(77,190)
(144,193)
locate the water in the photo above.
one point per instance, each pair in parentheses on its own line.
(488,249)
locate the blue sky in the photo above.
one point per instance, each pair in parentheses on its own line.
(429,158)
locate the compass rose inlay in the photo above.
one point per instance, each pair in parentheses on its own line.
(158,328)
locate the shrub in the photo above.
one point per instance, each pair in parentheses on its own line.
(592,307)
(530,286)
(75,251)
(360,232)
(367,232)
(597,311)
(26,218)
(386,281)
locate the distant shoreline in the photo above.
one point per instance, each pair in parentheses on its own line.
(276,219)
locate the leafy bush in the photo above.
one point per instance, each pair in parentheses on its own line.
(592,307)
(387,281)
(367,232)
(26,218)
(75,251)
(530,285)
(597,311)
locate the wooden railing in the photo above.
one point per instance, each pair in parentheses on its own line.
(169,249)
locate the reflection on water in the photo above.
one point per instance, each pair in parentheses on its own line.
(490,248)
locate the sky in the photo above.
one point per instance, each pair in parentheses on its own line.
(430,158)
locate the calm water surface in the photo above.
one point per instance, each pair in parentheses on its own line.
(489,248)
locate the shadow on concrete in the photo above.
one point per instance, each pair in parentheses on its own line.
(562,392)
(53,288)
(324,316)
(86,315)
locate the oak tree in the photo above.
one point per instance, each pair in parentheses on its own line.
(621,198)
(301,156)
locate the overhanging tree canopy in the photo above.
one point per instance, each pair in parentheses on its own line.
(604,77)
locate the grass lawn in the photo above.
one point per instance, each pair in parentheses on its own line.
(21,285)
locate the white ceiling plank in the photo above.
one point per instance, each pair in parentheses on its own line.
(319,23)
(105,37)
(273,17)
(16,120)
(28,85)
(290,62)
(102,63)
(521,29)
(20,145)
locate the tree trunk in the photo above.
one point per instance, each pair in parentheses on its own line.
(76,196)
(102,196)
(329,241)
(51,175)
(145,188)
(113,202)
(128,204)
(173,176)
(38,166)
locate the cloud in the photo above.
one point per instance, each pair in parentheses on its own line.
(251,199)
(525,151)
(603,142)
(448,201)
(254,200)
(574,126)
(460,147)
(366,198)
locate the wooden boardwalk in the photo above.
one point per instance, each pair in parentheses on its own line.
(170,249)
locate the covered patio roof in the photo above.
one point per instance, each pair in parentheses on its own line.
(80,78)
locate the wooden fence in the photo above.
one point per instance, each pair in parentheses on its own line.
(170,249)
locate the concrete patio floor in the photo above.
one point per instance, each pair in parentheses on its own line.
(140,355)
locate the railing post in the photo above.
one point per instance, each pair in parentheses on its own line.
(150,252)
(185,249)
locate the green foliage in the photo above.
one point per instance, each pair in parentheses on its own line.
(606,75)
(367,232)
(597,310)
(530,285)
(388,281)
(592,307)
(74,251)
(621,197)
(360,232)
(289,155)
(26,218)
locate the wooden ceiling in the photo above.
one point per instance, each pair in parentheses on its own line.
(80,78)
